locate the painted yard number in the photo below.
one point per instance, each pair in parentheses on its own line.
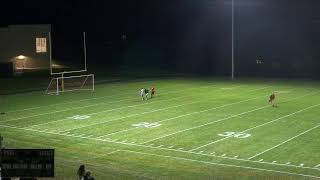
(147,125)
(79,117)
(235,134)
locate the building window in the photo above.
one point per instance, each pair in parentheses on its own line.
(41,45)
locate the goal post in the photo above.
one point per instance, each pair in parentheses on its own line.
(70,83)
(66,80)
(80,70)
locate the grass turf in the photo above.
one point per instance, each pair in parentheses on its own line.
(191,129)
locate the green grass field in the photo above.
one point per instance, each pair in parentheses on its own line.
(192,129)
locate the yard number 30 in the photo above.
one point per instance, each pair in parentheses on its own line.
(235,134)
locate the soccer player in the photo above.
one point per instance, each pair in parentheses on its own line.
(272,99)
(152,92)
(146,91)
(81,172)
(142,93)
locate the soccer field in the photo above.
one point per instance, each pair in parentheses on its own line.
(192,129)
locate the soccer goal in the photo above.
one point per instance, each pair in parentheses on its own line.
(70,83)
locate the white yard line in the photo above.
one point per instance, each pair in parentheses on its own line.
(176,117)
(284,142)
(116,95)
(68,109)
(113,152)
(188,129)
(102,155)
(282,117)
(152,147)
(68,102)
(223,164)
(125,130)
(109,110)
(265,87)
(138,114)
(226,118)
(123,117)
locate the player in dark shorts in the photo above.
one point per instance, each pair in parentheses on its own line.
(272,99)
(152,91)
(146,92)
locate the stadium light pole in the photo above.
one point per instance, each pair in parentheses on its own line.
(232,32)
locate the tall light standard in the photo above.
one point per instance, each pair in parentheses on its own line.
(232,32)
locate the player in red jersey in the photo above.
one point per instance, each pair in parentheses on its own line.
(272,99)
(152,91)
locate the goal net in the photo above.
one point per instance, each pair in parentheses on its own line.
(70,83)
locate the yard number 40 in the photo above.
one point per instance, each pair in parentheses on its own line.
(235,134)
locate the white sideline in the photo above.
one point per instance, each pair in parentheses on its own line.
(94,164)
(284,142)
(68,109)
(103,122)
(205,162)
(106,154)
(222,164)
(88,99)
(91,138)
(282,117)
(108,110)
(152,147)
(222,119)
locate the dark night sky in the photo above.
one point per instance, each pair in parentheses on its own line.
(187,35)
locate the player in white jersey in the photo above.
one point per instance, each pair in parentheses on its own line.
(142,93)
